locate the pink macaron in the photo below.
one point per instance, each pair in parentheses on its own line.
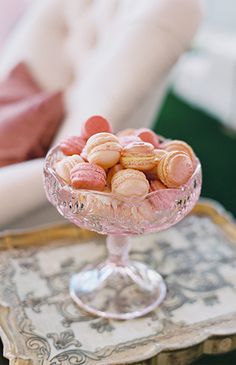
(88,176)
(93,125)
(174,169)
(72,145)
(147,135)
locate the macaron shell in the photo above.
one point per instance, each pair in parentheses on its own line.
(87,181)
(107,146)
(88,176)
(139,156)
(160,170)
(105,159)
(89,167)
(112,172)
(138,148)
(84,154)
(130,182)
(180,170)
(159,154)
(147,135)
(142,163)
(72,145)
(64,166)
(103,149)
(126,188)
(94,125)
(181,146)
(152,174)
(99,139)
(175,169)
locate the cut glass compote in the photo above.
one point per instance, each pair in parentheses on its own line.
(119,287)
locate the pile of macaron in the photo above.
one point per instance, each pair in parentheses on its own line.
(132,162)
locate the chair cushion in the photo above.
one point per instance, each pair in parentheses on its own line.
(18,85)
(29,117)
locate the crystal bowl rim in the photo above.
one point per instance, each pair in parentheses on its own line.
(63,184)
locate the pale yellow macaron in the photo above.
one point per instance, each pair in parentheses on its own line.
(138,156)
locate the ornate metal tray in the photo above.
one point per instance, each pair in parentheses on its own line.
(40,325)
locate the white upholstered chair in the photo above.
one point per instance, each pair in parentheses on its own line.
(111,57)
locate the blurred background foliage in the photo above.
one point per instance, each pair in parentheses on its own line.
(214,144)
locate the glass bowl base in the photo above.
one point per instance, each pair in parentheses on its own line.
(118,291)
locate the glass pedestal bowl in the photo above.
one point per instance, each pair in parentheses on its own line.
(118,287)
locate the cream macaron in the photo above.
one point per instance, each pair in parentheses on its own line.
(103,149)
(181,146)
(138,156)
(130,182)
(64,166)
